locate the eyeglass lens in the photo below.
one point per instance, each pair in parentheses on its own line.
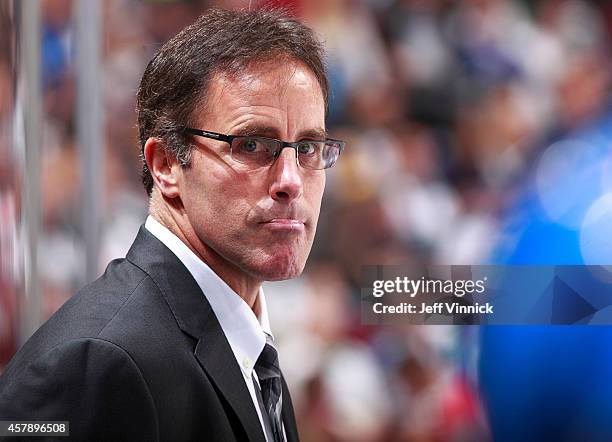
(259,152)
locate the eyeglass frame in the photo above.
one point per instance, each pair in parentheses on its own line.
(284,144)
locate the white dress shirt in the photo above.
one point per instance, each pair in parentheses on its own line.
(243,330)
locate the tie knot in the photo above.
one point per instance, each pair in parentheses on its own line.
(267,366)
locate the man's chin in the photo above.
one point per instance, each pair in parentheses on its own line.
(281,274)
(279,269)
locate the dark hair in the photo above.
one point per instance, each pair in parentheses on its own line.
(174,83)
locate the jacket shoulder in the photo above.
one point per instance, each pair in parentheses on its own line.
(87,313)
(90,382)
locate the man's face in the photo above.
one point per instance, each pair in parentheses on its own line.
(261,221)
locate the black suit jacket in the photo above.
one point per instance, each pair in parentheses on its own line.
(136,355)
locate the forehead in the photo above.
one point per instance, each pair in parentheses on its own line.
(282,91)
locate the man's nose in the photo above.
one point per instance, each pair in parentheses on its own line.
(286,178)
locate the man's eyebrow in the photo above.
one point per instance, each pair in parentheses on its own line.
(315,134)
(255,129)
(251,129)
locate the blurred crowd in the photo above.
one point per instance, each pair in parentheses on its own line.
(445,107)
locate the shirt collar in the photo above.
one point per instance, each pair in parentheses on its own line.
(245,333)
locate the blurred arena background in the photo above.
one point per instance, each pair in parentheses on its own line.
(478,131)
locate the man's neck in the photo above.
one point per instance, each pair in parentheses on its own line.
(177,223)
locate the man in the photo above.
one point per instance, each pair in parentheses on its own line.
(173,342)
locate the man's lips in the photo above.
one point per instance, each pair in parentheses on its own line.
(285,221)
(284,224)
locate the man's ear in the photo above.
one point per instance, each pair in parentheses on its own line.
(160,163)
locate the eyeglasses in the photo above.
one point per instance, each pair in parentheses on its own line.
(262,151)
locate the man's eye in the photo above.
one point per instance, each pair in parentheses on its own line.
(306,148)
(250,145)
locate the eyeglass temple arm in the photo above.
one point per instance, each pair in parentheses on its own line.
(207,134)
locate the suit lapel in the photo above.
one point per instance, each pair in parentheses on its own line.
(196,318)
(216,357)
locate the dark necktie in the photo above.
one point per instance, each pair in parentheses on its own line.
(268,372)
